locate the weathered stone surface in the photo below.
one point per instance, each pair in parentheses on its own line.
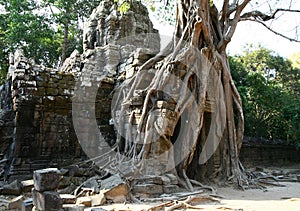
(67,190)
(13,188)
(98,199)
(173,179)
(151,189)
(27,185)
(114,188)
(150,179)
(75,171)
(48,200)
(298,177)
(170,188)
(16,203)
(92,183)
(46,179)
(85,200)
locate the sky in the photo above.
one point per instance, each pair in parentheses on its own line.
(254,33)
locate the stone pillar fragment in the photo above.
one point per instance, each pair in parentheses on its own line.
(44,193)
(48,200)
(46,179)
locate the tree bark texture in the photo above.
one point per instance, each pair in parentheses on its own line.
(65,42)
(182,109)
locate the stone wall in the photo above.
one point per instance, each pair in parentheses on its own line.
(42,106)
(48,121)
(252,155)
(7,126)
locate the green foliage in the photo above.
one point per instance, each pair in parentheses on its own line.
(271,106)
(295,59)
(22,26)
(123,6)
(67,15)
(37,27)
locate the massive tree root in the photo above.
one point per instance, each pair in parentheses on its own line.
(182,108)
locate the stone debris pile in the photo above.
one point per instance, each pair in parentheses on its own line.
(46,191)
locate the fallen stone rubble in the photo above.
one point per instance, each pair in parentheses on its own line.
(82,188)
(72,188)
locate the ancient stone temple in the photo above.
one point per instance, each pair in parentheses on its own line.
(48,115)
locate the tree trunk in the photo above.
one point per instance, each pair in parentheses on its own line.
(186,120)
(65,42)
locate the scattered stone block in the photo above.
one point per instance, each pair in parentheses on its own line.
(85,200)
(48,200)
(151,189)
(68,198)
(170,189)
(150,179)
(166,180)
(92,183)
(114,188)
(16,203)
(64,182)
(13,188)
(173,179)
(73,207)
(46,179)
(76,171)
(98,199)
(69,189)
(27,185)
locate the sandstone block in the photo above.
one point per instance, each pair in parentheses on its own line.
(27,185)
(46,179)
(173,179)
(170,189)
(98,199)
(150,179)
(85,200)
(151,189)
(13,188)
(16,203)
(114,188)
(48,200)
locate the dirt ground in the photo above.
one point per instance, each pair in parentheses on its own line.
(272,198)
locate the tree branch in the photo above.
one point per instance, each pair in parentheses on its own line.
(224,11)
(227,37)
(264,17)
(272,30)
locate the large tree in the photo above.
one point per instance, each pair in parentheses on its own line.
(191,116)
(267,84)
(23,26)
(44,30)
(68,16)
